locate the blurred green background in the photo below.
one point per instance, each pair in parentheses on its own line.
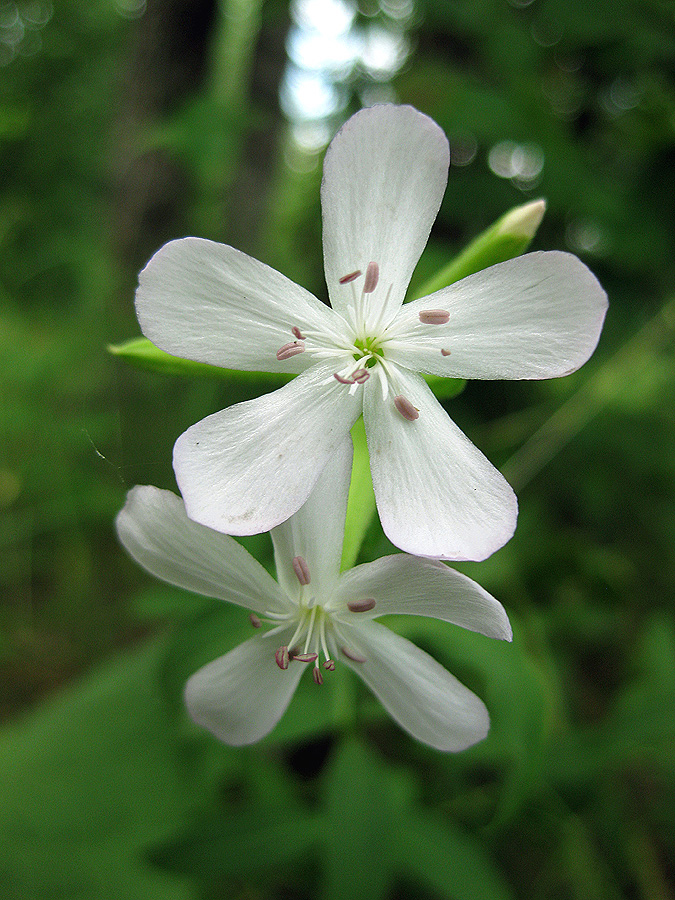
(124,123)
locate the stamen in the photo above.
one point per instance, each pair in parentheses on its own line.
(305,657)
(295,331)
(353,656)
(329,665)
(434,316)
(358,606)
(360,376)
(301,569)
(351,277)
(372,277)
(289,350)
(445,352)
(282,657)
(342,380)
(255,621)
(317,676)
(405,407)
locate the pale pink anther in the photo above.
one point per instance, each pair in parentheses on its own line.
(282,657)
(295,331)
(342,380)
(361,375)
(353,656)
(406,409)
(255,621)
(305,657)
(317,676)
(351,277)
(361,605)
(301,569)
(445,352)
(372,277)
(291,349)
(434,316)
(329,665)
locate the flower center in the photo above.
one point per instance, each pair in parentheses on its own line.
(309,639)
(367,351)
(313,623)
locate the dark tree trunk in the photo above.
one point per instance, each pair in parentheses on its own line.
(167,65)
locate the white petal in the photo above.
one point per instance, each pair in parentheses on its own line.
(408,585)
(249,467)
(241,696)
(384,177)
(154,528)
(316,530)
(536,316)
(209,302)
(437,495)
(422,696)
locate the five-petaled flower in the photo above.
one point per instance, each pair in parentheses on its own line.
(315,616)
(249,467)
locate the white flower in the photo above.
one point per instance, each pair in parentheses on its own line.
(316,617)
(249,467)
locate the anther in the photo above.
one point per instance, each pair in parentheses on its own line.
(353,656)
(317,676)
(445,352)
(434,316)
(305,657)
(282,657)
(351,277)
(291,349)
(361,605)
(405,407)
(329,665)
(255,621)
(372,277)
(342,380)
(295,331)
(301,569)
(361,376)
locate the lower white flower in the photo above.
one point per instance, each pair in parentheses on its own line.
(313,617)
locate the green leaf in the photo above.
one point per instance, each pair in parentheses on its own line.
(265,829)
(640,725)
(363,799)
(376,832)
(90,781)
(448,859)
(445,388)
(508,237)
(142,353)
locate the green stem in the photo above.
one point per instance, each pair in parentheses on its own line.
(361,502)
(606,385)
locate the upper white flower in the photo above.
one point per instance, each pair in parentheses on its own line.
(317,616)
(249,467)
